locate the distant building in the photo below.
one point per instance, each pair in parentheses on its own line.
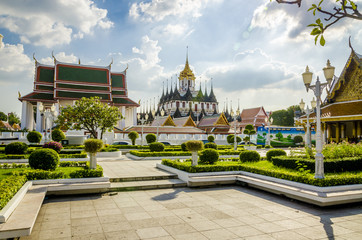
(186,100)
(64,83)
(253,116)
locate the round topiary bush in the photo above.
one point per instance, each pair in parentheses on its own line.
(183,147)
(194,145)
(93,145)
(267,146)
(34,137)
(157,147)
(53,145)
(249,156)
(298,139)
(45,159)
(210,145)
(58,135)
(133,136)
(208,156)
(150,138)
(275,152)
(211,139)
(16,148)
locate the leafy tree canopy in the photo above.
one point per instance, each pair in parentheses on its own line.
(3,116)
(285,117)
(89,114)
(13,118)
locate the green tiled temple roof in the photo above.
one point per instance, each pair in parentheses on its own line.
(39,96)
(118,81)
(45,74)
(124,101)
(81,74)
(119,93)
(86,87)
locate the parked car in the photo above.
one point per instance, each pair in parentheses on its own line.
(205,141)
(120,143)
(166,143)
(243,143)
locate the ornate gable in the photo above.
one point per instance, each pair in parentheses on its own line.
(189,122)
(169,122)
(348,87)
(222,120)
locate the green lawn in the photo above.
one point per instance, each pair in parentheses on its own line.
(8,172)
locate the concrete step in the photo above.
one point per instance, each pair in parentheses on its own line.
(22,220)
(144,185)
(144,178)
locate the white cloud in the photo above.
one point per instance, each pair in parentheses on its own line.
(51,23)
(157,10)
(62,57)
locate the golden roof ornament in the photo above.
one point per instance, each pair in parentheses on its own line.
(187,72)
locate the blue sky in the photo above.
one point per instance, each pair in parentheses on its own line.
(254,51)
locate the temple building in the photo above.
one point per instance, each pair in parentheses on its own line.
(186,100)
(341,111)
(64,83)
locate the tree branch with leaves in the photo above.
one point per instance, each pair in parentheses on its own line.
(342,9)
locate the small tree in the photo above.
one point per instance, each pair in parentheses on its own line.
(194,146)
(133,136)
(89,114)
(58,135)
(34,137)
(211,139)
(249,130)
(279,135)
(92,146)
(150,138)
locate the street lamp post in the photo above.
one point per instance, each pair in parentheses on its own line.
(158,124)
(142,122)
(308,112)
(318,89)
(47,113)
(235,115)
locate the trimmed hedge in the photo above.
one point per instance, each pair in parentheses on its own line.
(80,155)
(183,147)
(275,152)
(330,165)
(249,156)
(158,154)
(14,156)
(157,147)
(87,173)
(208,156)
(9,187)
(333,180)
(58,135)
(150,138)
(210,145)
(45,159)
(73,164)
(38,174)
(34,137)
(16,148)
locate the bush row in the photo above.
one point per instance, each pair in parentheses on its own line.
(158,154)
(330,165)
(9,187)
(291,176)
(26,156)
(87,173)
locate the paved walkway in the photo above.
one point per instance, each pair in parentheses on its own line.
(126,168)
(183,213)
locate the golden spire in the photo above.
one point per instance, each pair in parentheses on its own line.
(187,72)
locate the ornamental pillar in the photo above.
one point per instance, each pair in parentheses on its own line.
(329,131)
(354,129)
(123,121)
(359,129)
(337,132)
(30,117)
(39,119)
(342,131)
(24,114)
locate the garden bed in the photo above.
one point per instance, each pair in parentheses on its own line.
(268,169)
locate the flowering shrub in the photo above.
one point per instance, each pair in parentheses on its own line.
(342,150)
(53,145)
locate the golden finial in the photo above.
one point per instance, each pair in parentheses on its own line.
(126,68)
(110,63)
(79,61)
(34,58)
(55,60)
(19,94)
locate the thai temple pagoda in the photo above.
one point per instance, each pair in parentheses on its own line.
(341,111)
(186,100)
(64,83)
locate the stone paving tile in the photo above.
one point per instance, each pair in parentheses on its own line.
(153,232)
(225,213)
